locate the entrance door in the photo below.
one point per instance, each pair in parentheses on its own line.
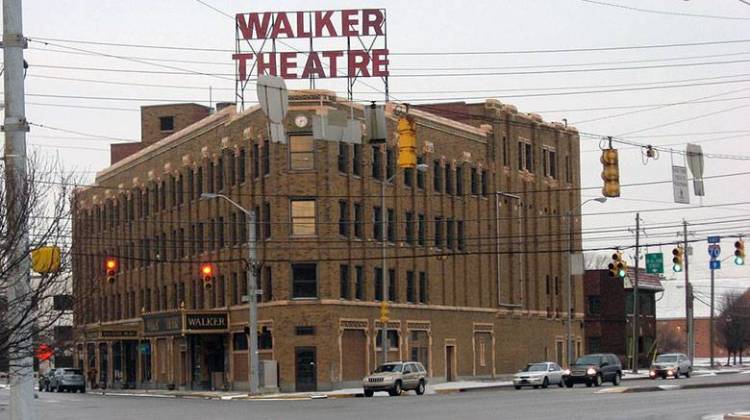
(131,355)
(354,355)
(449,363)
(305,369)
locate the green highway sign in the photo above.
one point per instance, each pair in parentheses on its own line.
(655,263)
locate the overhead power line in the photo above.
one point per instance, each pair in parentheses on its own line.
(662,12)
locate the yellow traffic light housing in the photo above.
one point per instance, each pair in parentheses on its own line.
(45,259)
(207,275)
(678,254)
(384,312)
(407,143)
(610,173)
(618,267)
(739,252)
(110,269)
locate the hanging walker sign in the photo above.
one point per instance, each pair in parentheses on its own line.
(311,45)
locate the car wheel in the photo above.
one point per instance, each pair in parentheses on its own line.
(687,374)
(58,389)
(617,379)
(369,393)
(569,384)
(589,384)
(420,388)
(598,380)
(545,384)
(560,384)
(677,373)
(517,386)
(396,391)
(536,386)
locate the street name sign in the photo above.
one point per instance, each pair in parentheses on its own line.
(655,263)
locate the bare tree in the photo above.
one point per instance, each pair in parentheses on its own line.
(46,211)
(733,324)
(668,339)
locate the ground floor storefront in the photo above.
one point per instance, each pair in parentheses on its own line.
(315,345)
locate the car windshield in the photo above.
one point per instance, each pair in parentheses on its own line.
(72,371)
(388,368)
(666,359)
(536,367)
(588,360)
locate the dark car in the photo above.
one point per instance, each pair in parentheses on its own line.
(45,379)
(593,370)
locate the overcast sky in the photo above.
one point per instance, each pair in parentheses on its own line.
(717,118)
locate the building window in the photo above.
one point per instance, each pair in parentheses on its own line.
(460,180)
(420,174)
(343,157)
(422,287)
(461,234)
(232,160)
(301,153)
(359,282)
(392,294)
(166,123)
(377,163)
(525,156)
(449,236)
(265,339)
(220,174)
(199,239)
(595,344)
(235,290)
(303,217)
(506,152)
(358,220)
(421,228)
(437,176)
(233,228)
(438,232)
(344,281)
(568,172)
(549,162)
(256,161)
(474,178)
(304,281)
(241,166)
(408,177)
(357,160)
(199,183)
(391,225)
(343,218)
(595,305)
(267,284)
(266,157)
(448,180)
(409,228)
(377,221)
(239,341)
(393,342)
(220,232)
(378,283)
(411,291)
(390,163)
(485,183)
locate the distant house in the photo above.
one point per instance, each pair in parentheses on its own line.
(608,315)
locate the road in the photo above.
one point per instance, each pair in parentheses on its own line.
(579,403)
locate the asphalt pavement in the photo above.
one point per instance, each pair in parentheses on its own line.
(579,403)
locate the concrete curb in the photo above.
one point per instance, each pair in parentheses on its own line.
(626,390)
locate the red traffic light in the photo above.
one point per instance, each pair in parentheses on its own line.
(110,268)
(207,274)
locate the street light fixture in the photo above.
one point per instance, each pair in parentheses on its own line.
(251,291)
(422,167)
(569,292)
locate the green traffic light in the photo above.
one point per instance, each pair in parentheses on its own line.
(677,268)
(739,261)
(621,273)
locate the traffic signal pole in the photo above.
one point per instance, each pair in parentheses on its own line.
(711,322)
(252,293)
(635,292)
(15,127)
(688,297)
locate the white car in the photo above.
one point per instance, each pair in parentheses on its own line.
(539,374)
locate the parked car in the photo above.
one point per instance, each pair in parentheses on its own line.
(670,364)
(396,377)
(45,379)
(593,370)
(67,379)
(539,374)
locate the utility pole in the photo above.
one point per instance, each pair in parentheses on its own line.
(688,296)
(252,293)
(635,292)
(711,322)
(383,277)
(15,127)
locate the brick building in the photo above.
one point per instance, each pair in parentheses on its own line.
(470,297)
(608,312)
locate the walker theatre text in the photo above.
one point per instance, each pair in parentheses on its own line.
(263,44)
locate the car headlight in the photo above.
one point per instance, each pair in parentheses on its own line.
(566,372)
(591,371)
(652,373)
(670,372)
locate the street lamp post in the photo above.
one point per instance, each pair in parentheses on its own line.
(569,291)
(251,291)
(383,276)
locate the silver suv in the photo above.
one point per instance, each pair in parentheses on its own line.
(67,379)
(396,377)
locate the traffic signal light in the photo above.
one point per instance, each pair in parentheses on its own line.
(110,269)
(678,254)
(739,252)
(610,173)
(384,312)
(618,267)
(407,143)
(207,275)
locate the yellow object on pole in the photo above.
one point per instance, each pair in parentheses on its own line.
(384,313)
(407,143)
(45,259)
(610,173)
